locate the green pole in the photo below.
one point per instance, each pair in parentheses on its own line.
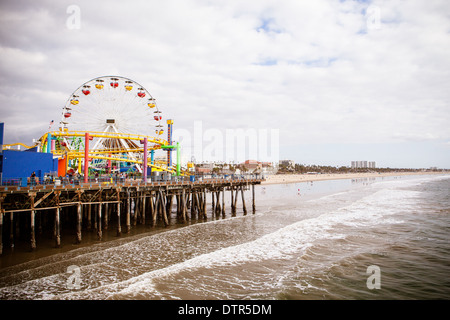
(178,156)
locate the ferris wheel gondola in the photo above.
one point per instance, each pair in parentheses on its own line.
(114,82)
(74,100)
(128,85)
(86,90)
(99,84)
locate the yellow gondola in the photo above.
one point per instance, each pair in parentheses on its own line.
(128,85)
(99,84)
(74,102)
(152,105)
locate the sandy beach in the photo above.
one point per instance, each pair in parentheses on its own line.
(293,178)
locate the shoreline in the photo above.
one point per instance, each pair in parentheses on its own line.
(295,178)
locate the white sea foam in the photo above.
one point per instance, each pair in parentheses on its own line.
(335,216)
(282,244)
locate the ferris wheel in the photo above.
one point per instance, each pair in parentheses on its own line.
(111,105)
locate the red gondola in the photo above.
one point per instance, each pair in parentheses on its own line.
(157,118)
(141,93)
(114,82)
(86,90)
(67,115)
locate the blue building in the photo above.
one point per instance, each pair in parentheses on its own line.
(19,165)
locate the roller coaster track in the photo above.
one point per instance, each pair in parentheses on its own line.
(106,154)
(107,135)
(113,154)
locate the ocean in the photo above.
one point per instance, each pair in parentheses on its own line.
(377,238)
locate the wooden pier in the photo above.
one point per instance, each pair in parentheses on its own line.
(99,206)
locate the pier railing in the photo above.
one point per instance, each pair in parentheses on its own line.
(74,181)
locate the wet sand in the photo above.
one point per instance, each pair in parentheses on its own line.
(294,178)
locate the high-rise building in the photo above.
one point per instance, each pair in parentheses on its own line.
(363,164)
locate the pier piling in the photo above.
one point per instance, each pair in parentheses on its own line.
(243,200)
(32,223)
(233,207)
(1,223)
(79,220)
(106,216)
(89,222)
(11,232)
(128,220)
(253,199)
(89,206)
(143,207)
(119,229)
(99,226)
(223,202)
(57,220)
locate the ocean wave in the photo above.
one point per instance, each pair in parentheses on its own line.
(133,268)
(284,243)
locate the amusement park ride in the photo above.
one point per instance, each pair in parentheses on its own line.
(105,126)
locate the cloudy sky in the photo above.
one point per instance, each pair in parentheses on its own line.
(339,80)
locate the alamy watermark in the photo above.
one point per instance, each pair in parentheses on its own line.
(228,145)
(73,21)
(74,280)
(373,17)
(374,280)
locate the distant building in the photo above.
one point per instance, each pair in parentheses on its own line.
(205,165)
(255,166)
(363,164)
(266,164)
(287,163)
(202,170)
(251,165)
